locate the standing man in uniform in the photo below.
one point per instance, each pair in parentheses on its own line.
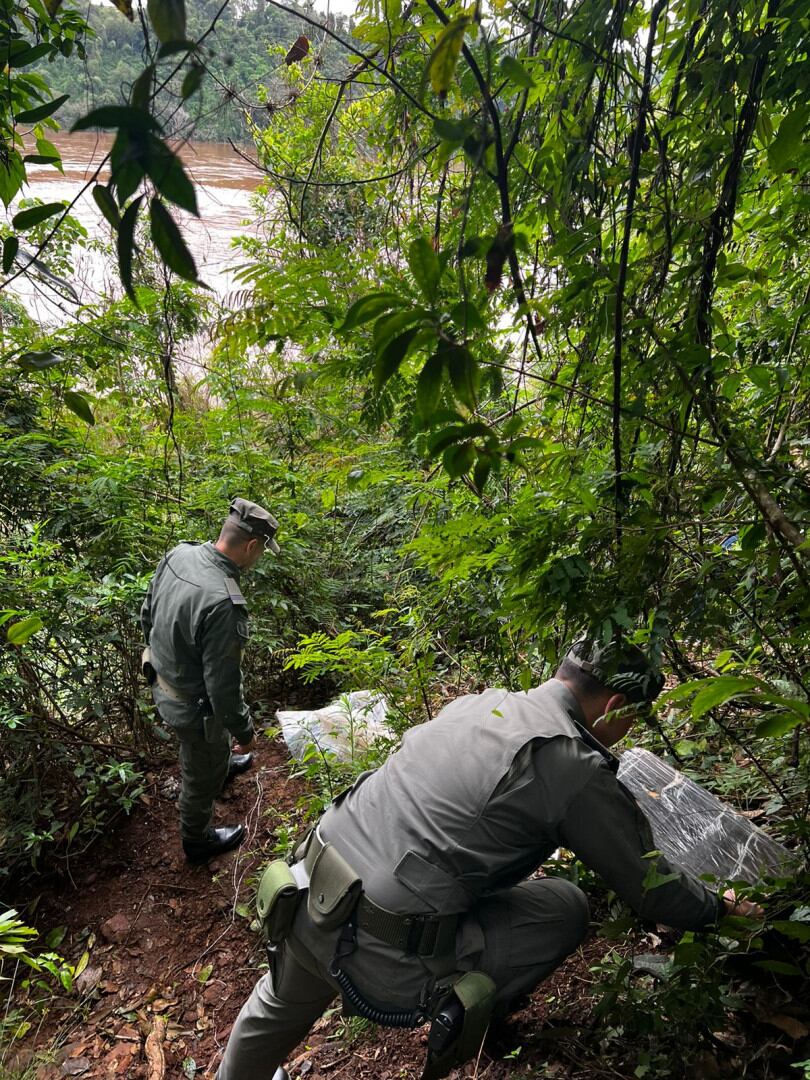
(195,622)
(426,866)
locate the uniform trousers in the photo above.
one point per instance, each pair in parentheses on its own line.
(517,936)
(203,768)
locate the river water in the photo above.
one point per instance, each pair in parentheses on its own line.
(224,182)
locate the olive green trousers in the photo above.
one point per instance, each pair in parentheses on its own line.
(517,936)
(204,769)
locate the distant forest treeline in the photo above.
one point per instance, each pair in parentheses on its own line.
(245,55)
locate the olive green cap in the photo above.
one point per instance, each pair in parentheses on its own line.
(255,521)
(618,666)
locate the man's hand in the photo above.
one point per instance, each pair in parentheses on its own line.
(245,748)
(746,908)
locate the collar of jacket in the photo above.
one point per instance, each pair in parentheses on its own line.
(222,562)
(567,701)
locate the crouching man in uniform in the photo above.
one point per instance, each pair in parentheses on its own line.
(419,903)
(195,622)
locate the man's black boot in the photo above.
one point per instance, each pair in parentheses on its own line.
(239,763)
(216,842)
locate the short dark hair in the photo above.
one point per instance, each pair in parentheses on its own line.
(232,535)
(584,683)
(617,666)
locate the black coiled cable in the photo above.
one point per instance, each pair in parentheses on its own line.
(397,1018)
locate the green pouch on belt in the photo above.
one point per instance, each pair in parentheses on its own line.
(461,1039)
(277,901)
(334,889)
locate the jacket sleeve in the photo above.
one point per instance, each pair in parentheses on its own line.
(606,829)
(224,633)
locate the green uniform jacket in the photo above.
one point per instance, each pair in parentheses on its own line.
(195,622)
(478,798)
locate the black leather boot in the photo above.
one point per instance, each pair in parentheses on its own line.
(215,842)
(239,763)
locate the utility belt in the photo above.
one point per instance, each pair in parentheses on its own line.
(459,1009)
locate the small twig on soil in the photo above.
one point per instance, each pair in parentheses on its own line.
(153,1049)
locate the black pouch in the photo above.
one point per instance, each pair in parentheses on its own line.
(334,889)
(459,1024)
(277,901)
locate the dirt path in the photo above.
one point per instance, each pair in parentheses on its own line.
(171,956)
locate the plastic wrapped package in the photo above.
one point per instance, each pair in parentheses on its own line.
(694,829)
(346,727)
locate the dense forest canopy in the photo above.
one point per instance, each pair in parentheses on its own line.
(519,351)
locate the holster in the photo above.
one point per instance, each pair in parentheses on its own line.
(277,901)
(147,669)
(459,1024)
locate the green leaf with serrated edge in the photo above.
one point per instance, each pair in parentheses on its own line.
(38,361)
(775,726)
(458,459)
(117,116)
(718,691)
(78,404)
(369,307)
(34,215)
(442,63)
(41,112)
(168,17)
(170,243)
(390,358)
(191,81)
(11,246)
(429,385)
(783,151)
(516,73)
(464,375)
(18,633)
(107,205)
(126,247)
(166,172)
(424,264)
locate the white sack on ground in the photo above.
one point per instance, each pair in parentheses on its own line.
(694,829)
(346,727)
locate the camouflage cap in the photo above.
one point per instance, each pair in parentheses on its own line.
(618,666)
(255,521)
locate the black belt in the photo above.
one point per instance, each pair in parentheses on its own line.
(420,935)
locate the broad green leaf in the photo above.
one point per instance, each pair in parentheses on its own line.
(166,172)
(779,967)
(168,17)
(191,81)
(458,459)
(126,247)
(78,404)
(10,247)
(169,241)
(453,131)
(425,267)
(19,633)
(34,215)
(797,930)
(483,467)
(429,385)
(12,175)
(41,112)
(117,116)
(125,7)
(30,55)
(719,690)
(390,326)
(369,307)
(141,93)
(55,937)
(516,73)
(777,725)
(464,375)
(456,433)
(783,153)
(38,361)
(390,358)
(466,316)
(107,205)
(442,63)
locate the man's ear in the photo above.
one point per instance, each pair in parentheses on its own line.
(618,701)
